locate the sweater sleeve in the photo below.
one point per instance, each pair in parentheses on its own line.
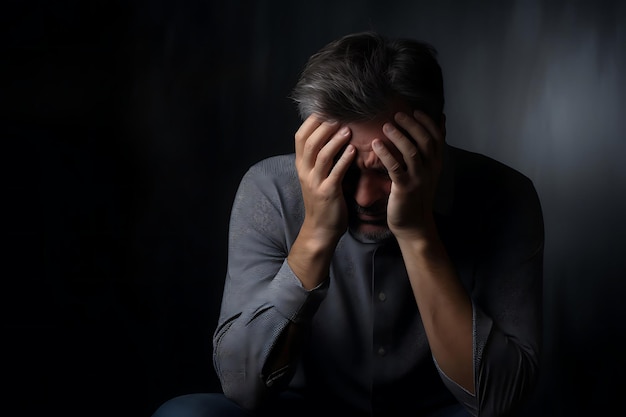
(507,303)
(261,294)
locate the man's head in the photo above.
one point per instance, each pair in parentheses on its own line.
(361,80)
(359,76)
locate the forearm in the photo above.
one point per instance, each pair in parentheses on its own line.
(257,340)
(495,359)
(444,305)
(311,254)
(241,348)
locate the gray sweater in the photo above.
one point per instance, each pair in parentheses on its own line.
(367,351)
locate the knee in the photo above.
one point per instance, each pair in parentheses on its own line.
(177,406)
(194,405)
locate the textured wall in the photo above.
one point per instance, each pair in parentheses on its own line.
(129,124)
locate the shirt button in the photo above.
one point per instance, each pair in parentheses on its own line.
(382,296)
(381,351)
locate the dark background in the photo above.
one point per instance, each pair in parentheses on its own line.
(126,126)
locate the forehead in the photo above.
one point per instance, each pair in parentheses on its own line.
(363,133)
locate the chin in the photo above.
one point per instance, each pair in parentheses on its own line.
(368,232)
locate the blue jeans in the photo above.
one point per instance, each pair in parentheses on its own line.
(289,404)
(217,405)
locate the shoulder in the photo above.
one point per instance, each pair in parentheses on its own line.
(479,177)
(273,176)
(486,170)
(274,166)
(274,171)
(498,200)
(479,165)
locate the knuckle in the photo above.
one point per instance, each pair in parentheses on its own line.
(323,158)
(396,168)
(309,146)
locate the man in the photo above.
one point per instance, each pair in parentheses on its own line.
(378,270)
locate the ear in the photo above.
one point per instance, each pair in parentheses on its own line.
(442,125)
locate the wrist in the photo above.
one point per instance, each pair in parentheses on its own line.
(318,239)
(424,243)
(423,234)
(311,255)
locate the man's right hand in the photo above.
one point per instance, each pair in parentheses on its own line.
(321,167)
(318,146)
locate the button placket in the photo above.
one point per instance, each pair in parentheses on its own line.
(379,297)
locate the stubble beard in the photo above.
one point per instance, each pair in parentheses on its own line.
(379,234)
(368,231)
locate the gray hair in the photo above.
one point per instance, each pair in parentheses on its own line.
(358,76)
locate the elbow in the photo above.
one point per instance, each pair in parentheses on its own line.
(245,398)
(239,382)
(508,395)
(248,394)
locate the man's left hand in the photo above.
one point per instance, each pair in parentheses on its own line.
(414,179)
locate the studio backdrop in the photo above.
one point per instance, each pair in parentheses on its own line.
(130,123)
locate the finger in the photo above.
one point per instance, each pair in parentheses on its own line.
(407,147)
(327,156)
(339,170)
(396,169)
(419,133)
(304,131)
(432,128)
(317,139)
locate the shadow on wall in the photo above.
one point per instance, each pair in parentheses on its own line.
(129,125)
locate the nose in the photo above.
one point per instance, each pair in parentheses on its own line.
(371,190)
(370,159)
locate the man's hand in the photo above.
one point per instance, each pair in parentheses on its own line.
(321,167)
(444,305)
(415,177)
